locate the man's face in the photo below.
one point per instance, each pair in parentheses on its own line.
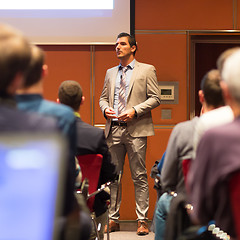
(123,48)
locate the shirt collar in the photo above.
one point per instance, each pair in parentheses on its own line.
(77,114)
(28,97)
(130,65)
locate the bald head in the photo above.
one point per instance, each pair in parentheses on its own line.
(231,75)
(222,58)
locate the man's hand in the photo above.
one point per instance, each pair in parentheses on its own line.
(127,115)
(110,113)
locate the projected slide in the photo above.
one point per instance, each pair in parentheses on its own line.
(56,4)
(68,21)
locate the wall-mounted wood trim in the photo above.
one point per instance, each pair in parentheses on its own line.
(188,47)
(191,81)
(185,31)
(160,31)
(132,17)
(235,13)
(164,126)
(92,83)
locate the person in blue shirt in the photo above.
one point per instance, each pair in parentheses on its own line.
(30,99)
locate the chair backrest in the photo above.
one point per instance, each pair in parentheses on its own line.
(234,188)
(90,167)
(186,163)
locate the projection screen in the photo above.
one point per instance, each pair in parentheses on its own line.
(68,21)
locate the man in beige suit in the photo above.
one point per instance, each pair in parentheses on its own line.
(129,94)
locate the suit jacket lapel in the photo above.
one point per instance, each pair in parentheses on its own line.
(134,75)
(113,78)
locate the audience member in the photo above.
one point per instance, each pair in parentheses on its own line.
(221,114)
(218,157)
(90,140)
(180,147)
(129,94)
(215,112)
(29,98)
(15,55)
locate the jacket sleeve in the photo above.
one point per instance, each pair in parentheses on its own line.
(152,93)
(104,98)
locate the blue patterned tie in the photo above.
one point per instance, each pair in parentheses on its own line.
(122,92)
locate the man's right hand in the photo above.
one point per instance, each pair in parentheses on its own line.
(110,113)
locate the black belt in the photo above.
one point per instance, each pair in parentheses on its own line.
(117,123)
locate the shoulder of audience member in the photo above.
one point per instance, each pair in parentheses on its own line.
(37,121)
(218,113)
(184,124)
(60,110)
(88,128)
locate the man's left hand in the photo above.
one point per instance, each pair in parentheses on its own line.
(127,115)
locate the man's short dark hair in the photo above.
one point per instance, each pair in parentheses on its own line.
(70,94)
(131,40)
(14,55)
(34,72)
(211,88)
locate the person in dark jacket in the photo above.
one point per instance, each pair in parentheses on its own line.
(90,140)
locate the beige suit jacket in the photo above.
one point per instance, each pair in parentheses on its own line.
(143,95)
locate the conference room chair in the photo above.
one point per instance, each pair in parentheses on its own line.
(90,167)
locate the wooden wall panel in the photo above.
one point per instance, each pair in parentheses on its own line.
(185,14)
(105,57)
(167,52)
(68,63)
(156,147)
(237,15)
